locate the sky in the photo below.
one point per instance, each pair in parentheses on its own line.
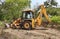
(34,3)
(2,0)
(39,2)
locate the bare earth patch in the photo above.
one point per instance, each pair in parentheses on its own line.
(34,34)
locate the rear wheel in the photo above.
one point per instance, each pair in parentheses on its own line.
(27,25)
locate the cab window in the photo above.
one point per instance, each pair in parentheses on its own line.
(27,15)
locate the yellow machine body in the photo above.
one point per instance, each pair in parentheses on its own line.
(32,22)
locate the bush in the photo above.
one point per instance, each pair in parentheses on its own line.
(55,19)
(52,11)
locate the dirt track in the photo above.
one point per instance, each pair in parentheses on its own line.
(35,34)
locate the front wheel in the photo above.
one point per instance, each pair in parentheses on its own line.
(27,25)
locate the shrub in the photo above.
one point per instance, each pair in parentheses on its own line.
(52,11)
(55,19)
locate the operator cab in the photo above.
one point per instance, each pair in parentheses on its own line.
(27,14)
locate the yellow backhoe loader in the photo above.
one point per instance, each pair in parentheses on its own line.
(28,20)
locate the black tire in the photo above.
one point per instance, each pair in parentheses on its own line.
(27,25)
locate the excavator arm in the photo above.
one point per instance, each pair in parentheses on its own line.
(41,12)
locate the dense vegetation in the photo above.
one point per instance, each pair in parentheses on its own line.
(55,19)
(11,9)
(53,11)
(55,14)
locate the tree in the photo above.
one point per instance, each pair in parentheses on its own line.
(53,2)
(50,3)
(46,4)
(12,9)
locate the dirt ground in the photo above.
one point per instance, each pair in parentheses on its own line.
(48,33)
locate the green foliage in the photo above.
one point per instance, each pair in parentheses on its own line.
(53,2)
(1,24)
(12,9)
(49,3)
(56,19)
(53,11)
